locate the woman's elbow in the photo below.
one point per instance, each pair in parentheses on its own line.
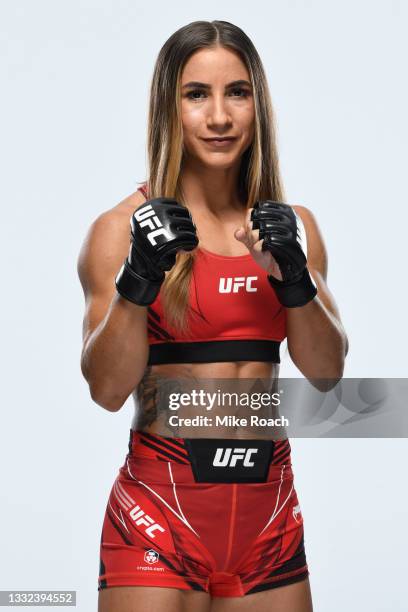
(110,401)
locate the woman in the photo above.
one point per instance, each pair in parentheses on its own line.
(214,280)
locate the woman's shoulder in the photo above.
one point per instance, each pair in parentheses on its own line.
(316,248)
(109,233)
(106,245)
(121,213)
(128,205)
(308,218)
(303,212)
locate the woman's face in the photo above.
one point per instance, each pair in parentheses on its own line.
(216,102)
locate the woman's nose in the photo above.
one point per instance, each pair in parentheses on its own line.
(218,113)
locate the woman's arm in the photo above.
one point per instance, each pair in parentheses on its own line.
(115,344)
(317,341)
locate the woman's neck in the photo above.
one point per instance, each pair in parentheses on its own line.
(214,191)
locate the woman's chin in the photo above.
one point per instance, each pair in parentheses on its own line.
(219,161)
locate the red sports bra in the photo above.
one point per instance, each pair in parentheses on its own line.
(234,314)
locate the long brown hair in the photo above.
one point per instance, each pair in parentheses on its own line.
(259,176)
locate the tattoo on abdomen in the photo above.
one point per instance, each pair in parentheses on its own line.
(152,395)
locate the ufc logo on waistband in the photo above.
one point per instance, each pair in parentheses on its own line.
(233,284)
(140,518)
(146,217)
(228,457)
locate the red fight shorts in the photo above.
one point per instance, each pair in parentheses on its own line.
(220,516)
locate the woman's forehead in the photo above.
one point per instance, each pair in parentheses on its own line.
(213,63)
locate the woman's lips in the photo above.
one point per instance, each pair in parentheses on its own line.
(218,143)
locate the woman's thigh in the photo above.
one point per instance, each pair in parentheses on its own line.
(152,599)
(294,597)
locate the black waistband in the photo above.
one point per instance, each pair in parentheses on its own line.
(231,461)
(213,351)
(213,460)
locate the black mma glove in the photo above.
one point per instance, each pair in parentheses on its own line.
(281,228)
(159,228)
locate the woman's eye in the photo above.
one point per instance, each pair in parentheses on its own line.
(242,91)
(192,93)
(195,95)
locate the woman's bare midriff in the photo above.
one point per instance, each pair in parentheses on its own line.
(160,382)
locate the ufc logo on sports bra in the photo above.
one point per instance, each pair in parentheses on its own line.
(140,518)
(228,457)
(146,217)
(234,284)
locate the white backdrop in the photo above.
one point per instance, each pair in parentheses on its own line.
(75,78)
